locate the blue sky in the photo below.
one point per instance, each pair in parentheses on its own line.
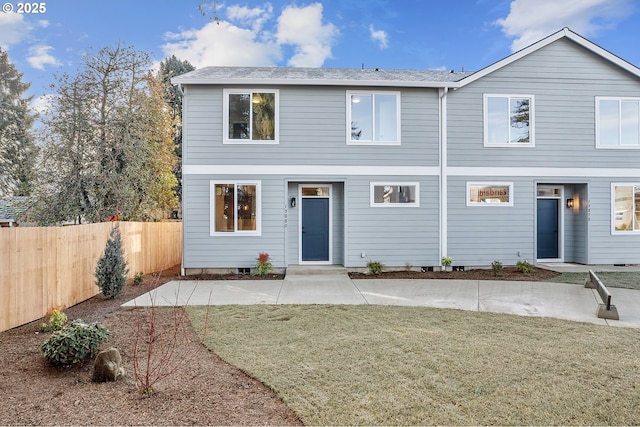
(408,34)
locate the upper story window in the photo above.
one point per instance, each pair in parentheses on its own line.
(508,120)
(251,116)
(373,118)
(617,122)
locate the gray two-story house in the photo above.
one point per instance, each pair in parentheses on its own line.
(535,157)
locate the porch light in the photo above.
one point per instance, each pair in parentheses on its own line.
(569,203)
(292,202)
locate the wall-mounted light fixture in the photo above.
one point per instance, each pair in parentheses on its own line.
(569,203)
(292,202)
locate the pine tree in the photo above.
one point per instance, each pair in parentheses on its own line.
(18,150)
(111,272)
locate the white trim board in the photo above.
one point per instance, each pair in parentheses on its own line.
(345,170)
(545,172)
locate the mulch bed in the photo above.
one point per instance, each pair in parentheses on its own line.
(507,273)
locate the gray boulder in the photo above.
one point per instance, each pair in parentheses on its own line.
(108,366)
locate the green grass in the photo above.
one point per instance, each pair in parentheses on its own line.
(611,279)
(382,365)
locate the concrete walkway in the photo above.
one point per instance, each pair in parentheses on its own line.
(332,285)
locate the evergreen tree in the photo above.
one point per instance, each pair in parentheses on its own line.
(111,272)
(17,146)
(169,68)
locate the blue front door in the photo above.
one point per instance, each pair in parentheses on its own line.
(548,228)
(315,229)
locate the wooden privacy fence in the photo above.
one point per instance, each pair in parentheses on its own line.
(42,268)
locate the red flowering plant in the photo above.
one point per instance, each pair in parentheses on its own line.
(263,266)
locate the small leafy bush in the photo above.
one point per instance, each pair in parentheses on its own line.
(524,267)
(375,267)
(75,343)
(56,321)
(111,272)
(447,261)
(496,266)
(263,266)
(137,279)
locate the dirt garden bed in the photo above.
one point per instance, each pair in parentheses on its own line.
(507,273)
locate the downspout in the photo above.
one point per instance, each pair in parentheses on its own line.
(184,101)
(443,175)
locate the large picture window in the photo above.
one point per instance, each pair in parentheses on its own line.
(251,116)
(617,122)
(387,194)
(508,120)
(235,208)
(626,208)
(489,194)
(373,118)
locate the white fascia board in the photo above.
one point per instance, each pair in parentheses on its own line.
(315,170)
(543,172)
(315,82)
(565,32)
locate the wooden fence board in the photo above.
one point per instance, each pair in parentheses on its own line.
(42,268)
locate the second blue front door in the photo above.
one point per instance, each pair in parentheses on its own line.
(548,228)
(315,229)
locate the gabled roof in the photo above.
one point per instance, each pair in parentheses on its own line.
(286,76)
(564,33)
(320,76)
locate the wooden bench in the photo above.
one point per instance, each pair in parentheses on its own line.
(606,310)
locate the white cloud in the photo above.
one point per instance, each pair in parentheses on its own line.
(42,103)
(14,29)
(531,20)
(253,37)
(302,27)
(379,36)
(39,56)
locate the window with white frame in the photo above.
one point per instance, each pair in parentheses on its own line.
(387,194)
(373,118)
(617,122)
(235,208)
(489,193)
(508,120)
(251,116)
(626,208)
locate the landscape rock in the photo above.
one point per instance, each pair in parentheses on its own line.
(108,366)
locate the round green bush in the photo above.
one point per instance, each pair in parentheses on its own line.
(75,343)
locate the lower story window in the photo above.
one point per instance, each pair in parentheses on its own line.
(395,194)
(626,208)
(235,208)
(489,194)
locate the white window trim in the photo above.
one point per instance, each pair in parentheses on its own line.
(225,117)
(485,111)
(372,203)
(212,208)
(613,209)
(489,184)
(620,99)
(398,118)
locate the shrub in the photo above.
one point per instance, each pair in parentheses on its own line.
(496,266)
(375,267)
(137,279)
(111,272)
(56,321)
(524,267)
(263,266)
(75,343)
(447,261)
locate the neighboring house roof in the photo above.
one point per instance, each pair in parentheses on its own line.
(11,208)
(379,77)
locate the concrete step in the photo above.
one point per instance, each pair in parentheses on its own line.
(316,270)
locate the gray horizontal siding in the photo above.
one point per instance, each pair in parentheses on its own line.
(394,236)
(565,79)
(479,235)
(312,131)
